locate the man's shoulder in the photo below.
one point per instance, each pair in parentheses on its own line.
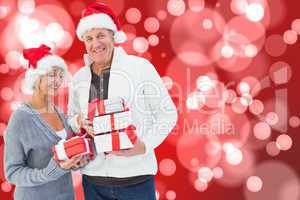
(137,59)
(82,71)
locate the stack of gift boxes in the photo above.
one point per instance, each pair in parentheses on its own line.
(112,130)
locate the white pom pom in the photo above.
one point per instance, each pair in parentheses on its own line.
(120,37)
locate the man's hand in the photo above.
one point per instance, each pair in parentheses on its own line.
(138,148)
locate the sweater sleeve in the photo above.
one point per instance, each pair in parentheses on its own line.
(161,107)
(16,170)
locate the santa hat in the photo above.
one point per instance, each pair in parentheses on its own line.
(40,61)
(99,15)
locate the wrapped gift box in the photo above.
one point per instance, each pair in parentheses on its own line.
(99,107)
(66,149)
(116,140)
(111,122)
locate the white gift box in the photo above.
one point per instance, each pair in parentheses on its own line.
(98,107)
(111,122)
(114,141)
(104,142)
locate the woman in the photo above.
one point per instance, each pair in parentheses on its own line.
(34,128)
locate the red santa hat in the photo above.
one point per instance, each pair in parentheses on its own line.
(99,15)
(40,61)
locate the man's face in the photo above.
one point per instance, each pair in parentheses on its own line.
(99,44)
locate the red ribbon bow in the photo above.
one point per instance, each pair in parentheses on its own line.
(33,55)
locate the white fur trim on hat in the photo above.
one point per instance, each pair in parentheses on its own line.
(99,21)
(43,67)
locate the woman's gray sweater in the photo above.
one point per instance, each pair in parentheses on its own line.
(28,158)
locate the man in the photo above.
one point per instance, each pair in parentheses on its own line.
(109,73)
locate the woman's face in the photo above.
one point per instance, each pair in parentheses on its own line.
(99,45)
(50,82)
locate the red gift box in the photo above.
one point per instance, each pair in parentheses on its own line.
(66,149)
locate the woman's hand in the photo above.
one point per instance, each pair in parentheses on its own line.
(68,164)
(81,163)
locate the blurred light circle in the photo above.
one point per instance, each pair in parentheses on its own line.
(234,156)
(205,173)
(257,107)
(280,72)
(272,118)
(200,185)
(238,6)
(294,121)
(196,5)
(171,195)
(275,45)
(12,59)
(229,96)
(167,167)
(6,187)
(140,44)
(238,105)
(250,50)
(254,184)
(192,54)
(204,83)
(26,6)
(130,31)
(176,7)
(3,12)
(207,24)
(290,37)
(191,151)
(7,94)
(243,87)
(213,148)
(253,83)
(262,131)
(240,31)
(66,41)
(227,51)
(195,101)
(218,172)
(280,182)
(133,15)
(4,68)
(272,149)
(151,25)
(296,26)
(284,141)
(236,175)
(168,82)
(153,40)
(161,15)
(54,32)
(255,12)
(246,99)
